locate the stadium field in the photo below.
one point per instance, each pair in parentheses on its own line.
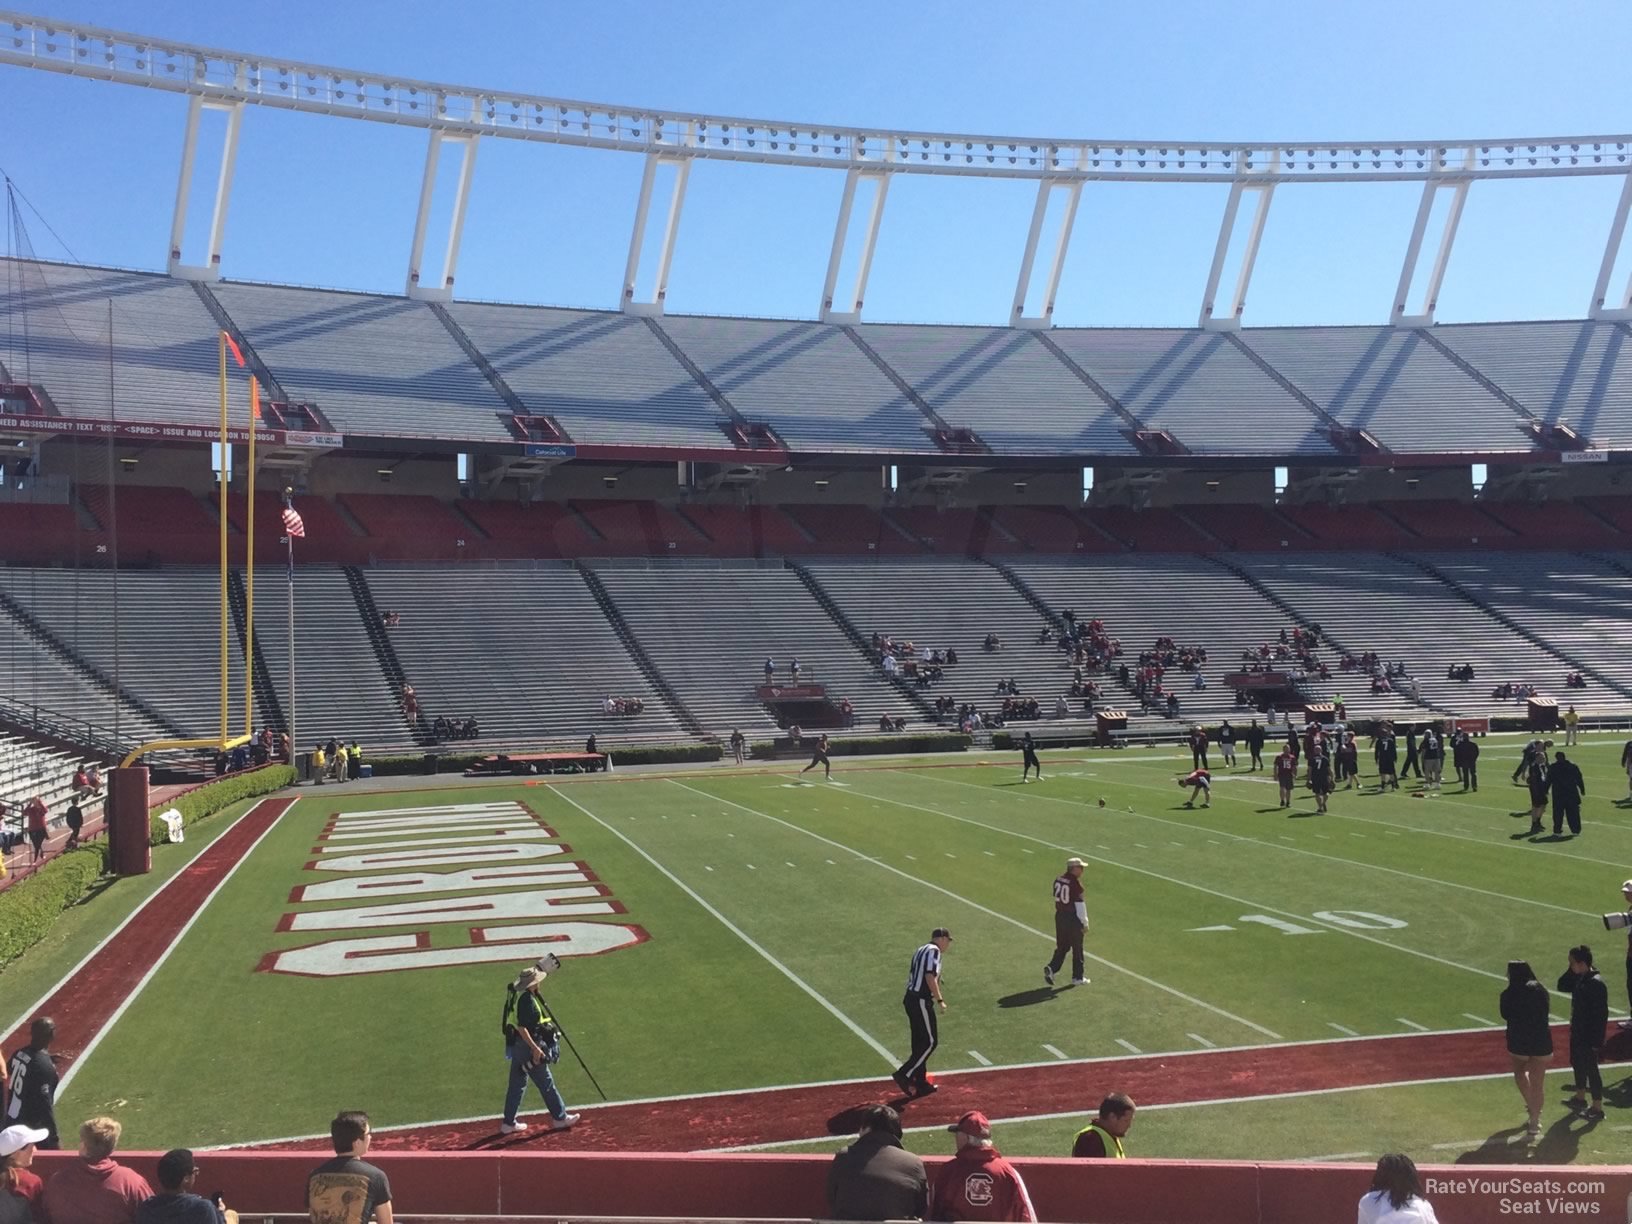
(735,945)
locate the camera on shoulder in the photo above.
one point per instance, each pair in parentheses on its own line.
(1618,922)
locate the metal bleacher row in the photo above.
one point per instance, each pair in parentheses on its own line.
(377,365)
(532,649)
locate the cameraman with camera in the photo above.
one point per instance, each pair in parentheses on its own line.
(532,1042)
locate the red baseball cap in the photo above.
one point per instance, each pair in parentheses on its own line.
(972,1123)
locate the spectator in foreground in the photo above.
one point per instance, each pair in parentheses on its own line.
(20,1190)
(1589,1017)
(1102,1138)
(337,1187)
(96,1188)
(1395,1196)
(1529,1039)
(977,1183)
(33,1078)
(875,1178)
(176,1202)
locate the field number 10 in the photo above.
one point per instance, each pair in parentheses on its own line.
(1354,920)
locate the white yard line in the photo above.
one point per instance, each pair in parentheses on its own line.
(1480,1020)
(1334,858)
(1191,884)
(741,934)
(90,1046)
(39,1003)
(1235,1100)
(1202,1041)
(1027,1066)
(1128,1046)
(1412,1024)
(980,1058)
(1218,1011)
(1342,1028)
(1056,1051)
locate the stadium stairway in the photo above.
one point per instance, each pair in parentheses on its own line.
(340,686)
(266,693)
(638,652)
(709,626)
(79,687)
(525,649)
(1573,604)
(941,603)
(373,623)
(901,685)
(1568,662)
(1361,701)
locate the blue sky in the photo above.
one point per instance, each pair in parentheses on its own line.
(331,202)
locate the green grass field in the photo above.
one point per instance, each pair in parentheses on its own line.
(780,917)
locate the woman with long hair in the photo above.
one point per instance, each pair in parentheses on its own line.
(1529,1039)
(1396,1194)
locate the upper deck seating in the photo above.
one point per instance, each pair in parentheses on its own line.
(1198,386)
(604,376)
(808,381)
(1002,383)
(373,365)
(163,350)
(1577,372)
(1392,383)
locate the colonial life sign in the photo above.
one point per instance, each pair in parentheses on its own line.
(520,893)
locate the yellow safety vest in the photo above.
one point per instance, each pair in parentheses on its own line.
(1113,1144)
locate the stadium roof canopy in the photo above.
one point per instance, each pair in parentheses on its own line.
(870,158)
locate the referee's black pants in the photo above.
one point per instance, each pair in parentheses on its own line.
(1067,938)
(926,1035)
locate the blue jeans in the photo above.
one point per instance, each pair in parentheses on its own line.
(540,1073)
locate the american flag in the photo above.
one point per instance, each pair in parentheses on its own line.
(293,525)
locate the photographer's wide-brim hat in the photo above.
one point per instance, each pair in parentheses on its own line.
(528,978)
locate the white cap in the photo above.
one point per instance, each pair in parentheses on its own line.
(16,1138)
(1627,887)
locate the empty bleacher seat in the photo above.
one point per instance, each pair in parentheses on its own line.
(163,350)
(1002,383)
(808,381)
(1198,386)
(605,376)
(525,650)
(373,364)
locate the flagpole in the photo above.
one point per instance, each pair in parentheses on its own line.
(289,537)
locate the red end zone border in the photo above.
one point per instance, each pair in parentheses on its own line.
(95,991)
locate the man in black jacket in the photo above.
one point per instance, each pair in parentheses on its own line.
(1411,760)
(1589,1016)
(1568,787)
(1255,745)
(875,1178)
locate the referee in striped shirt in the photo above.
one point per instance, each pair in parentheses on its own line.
(922,998)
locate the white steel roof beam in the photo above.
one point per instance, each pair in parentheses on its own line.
(1262,184)
(1601,308)
(1458,187)
(1045,316)
(418,286)
(236,76)
(210,269)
